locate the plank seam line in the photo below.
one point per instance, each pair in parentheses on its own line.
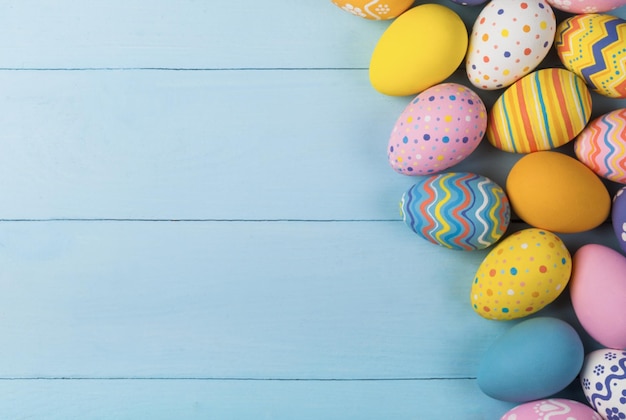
(214,220)
(183,69)
(201,220)
(217,379)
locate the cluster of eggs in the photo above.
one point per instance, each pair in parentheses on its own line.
(538,110)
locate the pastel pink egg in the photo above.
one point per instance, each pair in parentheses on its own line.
(586,6)
(601,145)
(554,408)
(598,293)
(439,128)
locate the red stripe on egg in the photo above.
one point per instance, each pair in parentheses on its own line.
(560,95)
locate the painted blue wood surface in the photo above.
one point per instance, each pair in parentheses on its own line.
(199,221)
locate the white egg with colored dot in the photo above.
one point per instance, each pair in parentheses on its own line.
(508,41)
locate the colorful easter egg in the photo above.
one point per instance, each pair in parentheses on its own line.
(553,409)
(586,6)
(521,275)
(469,2)
(603,379)
(534,359)
(543,110)
(618,217)
(602,145)
(374,9)
(592,46)
(598,293)
(508,40)
(553,191)
(437,130)
(421,48)
(461,210)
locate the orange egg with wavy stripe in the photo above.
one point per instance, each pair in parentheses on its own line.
(374,9)
(544,110)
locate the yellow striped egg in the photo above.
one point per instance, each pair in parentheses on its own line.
(541,111)
(594,47)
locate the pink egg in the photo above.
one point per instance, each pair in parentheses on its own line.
(598,293)
(554,408)
(438,129)
(601,145)
(586,6)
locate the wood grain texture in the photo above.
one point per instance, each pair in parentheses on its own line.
(202,145)
(235,400)
(198,221)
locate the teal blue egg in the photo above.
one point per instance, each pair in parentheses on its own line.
(533,360)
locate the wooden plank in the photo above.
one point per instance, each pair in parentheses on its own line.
(353,300)
(181,34)
(187,34)
(224,400)
(203,145)
(199,145)
(190,34)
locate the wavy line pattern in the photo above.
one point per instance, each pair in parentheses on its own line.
(458,210)
(602,146)
(592,46)
(552,106)
(604,385)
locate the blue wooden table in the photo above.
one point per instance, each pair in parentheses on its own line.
(199,221)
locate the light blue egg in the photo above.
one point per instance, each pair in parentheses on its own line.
(534,359)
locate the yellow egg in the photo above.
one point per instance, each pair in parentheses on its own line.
(521,275)
(374,9)
(421,48)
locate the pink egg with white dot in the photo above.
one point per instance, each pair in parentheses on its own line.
(586,6)
(439,128)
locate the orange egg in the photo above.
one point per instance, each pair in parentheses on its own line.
(374,9)
(552,191)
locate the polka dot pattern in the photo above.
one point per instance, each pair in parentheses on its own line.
(521,275)
(586,6)
(509,40)
(438,129)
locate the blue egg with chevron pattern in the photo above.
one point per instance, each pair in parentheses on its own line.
(457,210)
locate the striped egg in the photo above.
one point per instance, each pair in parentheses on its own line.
(544,110)
(602,146)
(457,210)
(593,47)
